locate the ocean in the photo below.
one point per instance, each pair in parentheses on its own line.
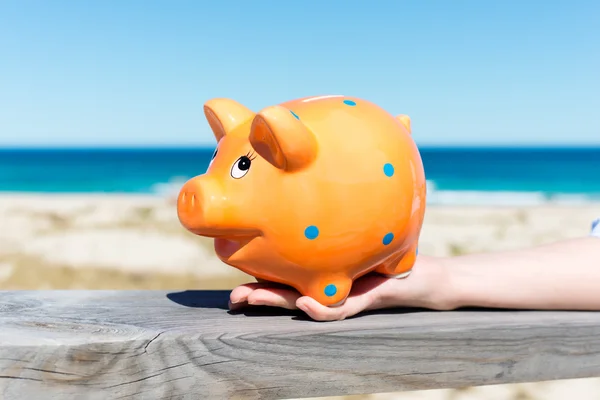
(504,176)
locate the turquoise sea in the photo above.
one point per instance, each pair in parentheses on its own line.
(455,175)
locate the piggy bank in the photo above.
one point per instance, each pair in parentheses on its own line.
(311,193)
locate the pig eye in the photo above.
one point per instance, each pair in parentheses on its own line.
(241,167)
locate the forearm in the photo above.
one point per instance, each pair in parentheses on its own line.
(563,275)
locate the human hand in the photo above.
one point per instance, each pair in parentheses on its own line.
(427,286)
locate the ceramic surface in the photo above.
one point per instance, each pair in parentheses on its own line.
(312,193)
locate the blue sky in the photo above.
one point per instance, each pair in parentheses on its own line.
(132,72)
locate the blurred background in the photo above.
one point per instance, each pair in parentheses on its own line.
(101,122)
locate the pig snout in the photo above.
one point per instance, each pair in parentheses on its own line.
(206,208)
(190,205)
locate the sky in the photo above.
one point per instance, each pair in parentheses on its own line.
(137,73)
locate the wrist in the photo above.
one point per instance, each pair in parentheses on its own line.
(451,294)
(440,291)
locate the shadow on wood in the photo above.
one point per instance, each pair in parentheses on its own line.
(219,299)
(201,298)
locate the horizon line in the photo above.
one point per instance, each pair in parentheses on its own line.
(590,146)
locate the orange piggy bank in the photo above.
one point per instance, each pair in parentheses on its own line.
(312,193)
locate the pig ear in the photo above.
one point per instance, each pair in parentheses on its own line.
(282,139)
(224,115)
(405,120)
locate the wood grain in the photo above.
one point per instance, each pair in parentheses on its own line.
(180,345)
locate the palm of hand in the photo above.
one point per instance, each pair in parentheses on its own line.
(370,292)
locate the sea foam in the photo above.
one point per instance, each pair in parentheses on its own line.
(505,198)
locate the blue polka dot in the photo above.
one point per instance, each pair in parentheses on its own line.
(417,250)
(349,103)
(311,232)
(388,169)
(330,290)
(387,239)
(294,114)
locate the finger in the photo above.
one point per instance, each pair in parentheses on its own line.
(237,306)
(275,297)
(352,306)
(240,294)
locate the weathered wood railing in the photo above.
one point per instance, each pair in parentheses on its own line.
(155,345)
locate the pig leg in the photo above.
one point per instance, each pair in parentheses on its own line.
(329,290)
(400,265)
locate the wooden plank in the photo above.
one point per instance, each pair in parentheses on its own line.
(155,344)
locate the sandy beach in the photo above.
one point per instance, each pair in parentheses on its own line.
(136,242)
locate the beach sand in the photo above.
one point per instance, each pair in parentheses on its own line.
(136,242)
